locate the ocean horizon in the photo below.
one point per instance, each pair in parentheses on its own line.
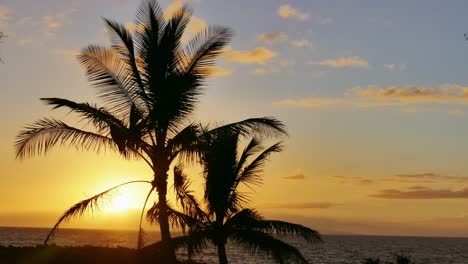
(343,249)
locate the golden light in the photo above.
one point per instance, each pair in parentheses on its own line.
(119,203)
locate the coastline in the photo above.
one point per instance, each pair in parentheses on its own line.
(53,254)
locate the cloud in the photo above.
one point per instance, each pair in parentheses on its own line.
(260,71)
(130,26)
(50,22)
(53,22)
(173,9)
(343,62)
(271,38)
(447,93)
(432,176)
(418,187)
(219,71)
(419,178)
(260,55)
(284,65)
(390,67)
(424,193)
(392,96)
(4,16)
(297,175)
(23,41)
(196,25)
(454,112)
(302,43)
(354,180)
(305,205)
(289,12)
(394,67)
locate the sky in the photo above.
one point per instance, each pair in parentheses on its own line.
(374,95)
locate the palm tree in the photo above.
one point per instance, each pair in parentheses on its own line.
(150,84)
(225,217)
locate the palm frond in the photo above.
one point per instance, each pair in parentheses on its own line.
(122,37)
(257,242)
(243,219)
(250,174)
(253,147)
(260,127)
(90,204)
(281,228)
(112,77)
(41,136)
(177,219)
(170,40)
(205,47)
(100,117)
(184,196)
(141,233)
(185,143)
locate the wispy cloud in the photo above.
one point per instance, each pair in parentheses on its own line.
(173,8)
(130,26)
(298,174)
(448,93)
(52,22)
(260,55)
(301,43)
(289,12)
(422,193)
(343,62)
(353,179)
(395,67)
(4,16)
(219,71)
(419,178)
(23,41)
(271,38)
(413,110)
(393,96)
(305,205)
(284,65)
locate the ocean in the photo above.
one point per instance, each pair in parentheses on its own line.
(336,249)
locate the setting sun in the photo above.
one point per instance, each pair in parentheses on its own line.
(119,203)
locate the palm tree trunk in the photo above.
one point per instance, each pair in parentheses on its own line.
(167,251)
(222,254)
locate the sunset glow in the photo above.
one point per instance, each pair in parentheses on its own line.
(374,96)
(120,203)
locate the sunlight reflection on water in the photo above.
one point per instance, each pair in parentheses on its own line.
(335,249)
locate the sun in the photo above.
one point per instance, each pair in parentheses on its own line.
(119,203)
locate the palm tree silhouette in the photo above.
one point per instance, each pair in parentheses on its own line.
(150,84)
(225,216)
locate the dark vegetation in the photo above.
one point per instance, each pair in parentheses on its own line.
(52,254)
(399,259)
